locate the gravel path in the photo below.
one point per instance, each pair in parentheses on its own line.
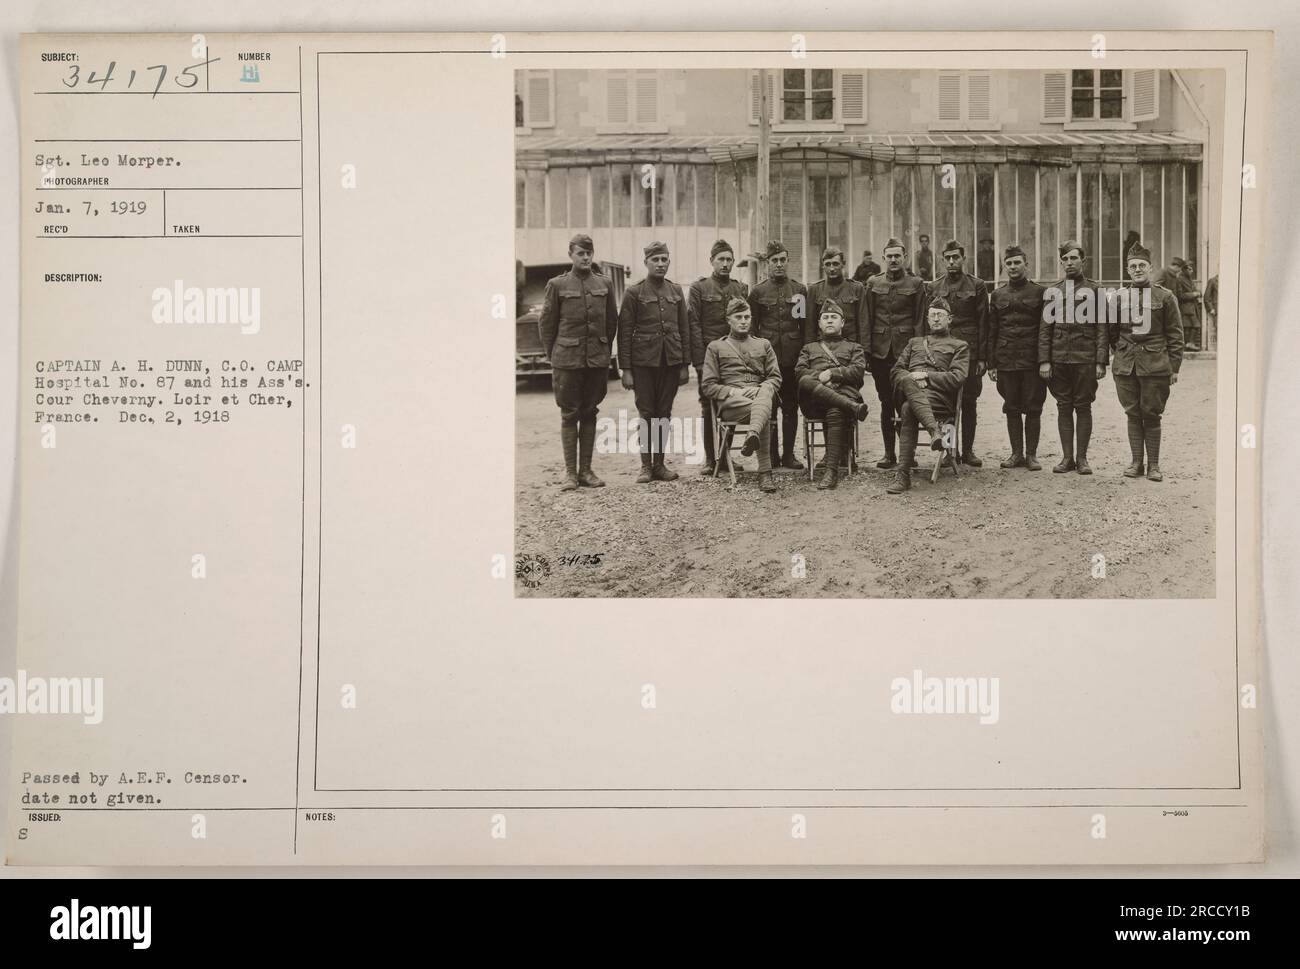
(992,533)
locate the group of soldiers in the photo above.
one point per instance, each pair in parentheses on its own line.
(762,356)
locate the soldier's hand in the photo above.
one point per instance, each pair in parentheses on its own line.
(749,393)
(993,374)
(627,379)
(824,376)
(1044,370)
(1173,379)
(1101,371)
(980,368)
(699,376)
(685,377)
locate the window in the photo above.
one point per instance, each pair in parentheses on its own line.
(811,98)
(808,94)
(1100,98)
(1096,95)
(631,101)
(534,99)
(965,100)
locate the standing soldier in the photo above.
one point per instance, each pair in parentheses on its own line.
(1146,334)
(780,308)
(707,312)
(867,268)
(654,341)
(925,259)
(1072,354)
(578,322)
(968,298)
(1015,314)
(834,287)
(895,312)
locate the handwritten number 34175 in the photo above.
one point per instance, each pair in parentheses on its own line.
(186,78)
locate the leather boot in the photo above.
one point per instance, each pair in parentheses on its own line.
(660,471)
(1065,427)
(969,410)
(1016,434)
(646,475)
(789,426)
(1033,427)
(887,435)
(569,441)
(586,446)
(765,482)
(1136,440)
(906,450)
(1084,416)
(1152,436)
(834,450)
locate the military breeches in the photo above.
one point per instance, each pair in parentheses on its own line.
(914,402)
(756,413)
(1023,392)
(578,392)
(816,397)
(654,389)
(881,374)
(1073,384)
(1143,398)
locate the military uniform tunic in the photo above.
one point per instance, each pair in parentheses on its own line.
(577,327)
(1015,315)
(1072,338)
(849,294)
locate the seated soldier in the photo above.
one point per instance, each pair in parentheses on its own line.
(830,373)
(927,376)
(741,377)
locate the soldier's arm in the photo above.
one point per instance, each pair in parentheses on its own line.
(854,374)
(1174,333)
(803,366)
(684,327)
(902,365)
(801,293)
(694,310)
(1045,328)
(922,304)
(980,353)
(1103,336)
(710,385)
(548,327)
(771,368)
(956,373)
(1112,317)
(868,317)
(990,348)
(626,325)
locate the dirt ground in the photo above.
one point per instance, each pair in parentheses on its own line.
(990,534)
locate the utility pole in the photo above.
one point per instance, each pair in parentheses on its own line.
(762,211)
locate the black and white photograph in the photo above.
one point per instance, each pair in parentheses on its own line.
(833,333)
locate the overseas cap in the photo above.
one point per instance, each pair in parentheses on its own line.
(581,241)
(736,305)
(656,249)
(722,245)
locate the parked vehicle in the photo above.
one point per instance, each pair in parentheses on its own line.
(530,358)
